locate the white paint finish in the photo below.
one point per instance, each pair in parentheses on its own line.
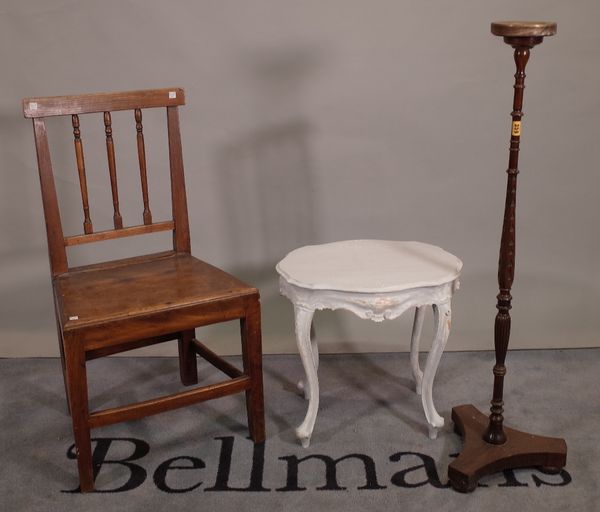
(369,266)
(303,385)
(442,320)
(303,321)
(310,294)
(414,348)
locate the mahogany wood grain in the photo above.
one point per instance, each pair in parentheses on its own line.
(141,289)
(523,28)
(489,446)
(87,221)
(188,367)
(123,262)
(181,235)
(250,326)
(61,347)
(78,405)
(112,170)
(114,306)
(54,232)
(167,403)
(132,345)
(111,234)
(506,265)
(147,214)
(479,457)
(102,102)
(218,362)
(126,329)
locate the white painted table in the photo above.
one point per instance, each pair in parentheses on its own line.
(376,280)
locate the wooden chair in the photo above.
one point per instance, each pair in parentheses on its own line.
(111,307)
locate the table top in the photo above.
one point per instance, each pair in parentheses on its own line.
(369,266)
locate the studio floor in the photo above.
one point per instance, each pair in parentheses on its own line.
(369,450)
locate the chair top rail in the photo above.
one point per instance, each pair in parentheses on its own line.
(102,102)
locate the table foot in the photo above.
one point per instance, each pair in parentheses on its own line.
(433,432)
(303,437)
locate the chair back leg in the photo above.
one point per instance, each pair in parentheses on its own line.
(188,363)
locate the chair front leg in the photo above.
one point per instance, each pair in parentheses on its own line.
(252,357)
(188,363)
(61,346)
(442,320)
(78,402)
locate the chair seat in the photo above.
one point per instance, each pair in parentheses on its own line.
(369,266)
(140,286)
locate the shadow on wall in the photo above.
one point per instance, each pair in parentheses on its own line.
(266,182)
(266,186)
(266,175)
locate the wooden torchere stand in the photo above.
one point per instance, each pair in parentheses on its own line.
(488,446)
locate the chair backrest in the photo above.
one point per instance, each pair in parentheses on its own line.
(39,108)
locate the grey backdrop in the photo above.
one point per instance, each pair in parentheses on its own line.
(312,121)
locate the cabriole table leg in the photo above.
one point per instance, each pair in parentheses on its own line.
(414,347)
(303,384)
(303,322)
(442,317)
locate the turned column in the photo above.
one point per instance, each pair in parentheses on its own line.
(506,265)
(488,445)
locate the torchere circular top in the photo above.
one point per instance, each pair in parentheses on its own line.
(523,28)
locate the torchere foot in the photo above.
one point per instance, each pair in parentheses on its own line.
(479,458)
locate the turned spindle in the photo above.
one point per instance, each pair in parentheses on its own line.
(147,215)
(87,221)
(112,169)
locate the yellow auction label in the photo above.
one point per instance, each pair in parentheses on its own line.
(516,128)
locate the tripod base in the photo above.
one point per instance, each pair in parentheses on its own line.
(479,458)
